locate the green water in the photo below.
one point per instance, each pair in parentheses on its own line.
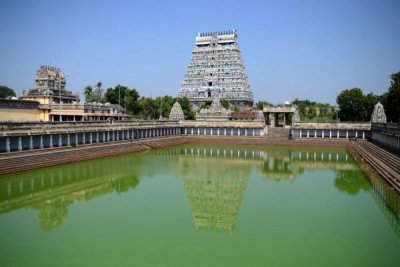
(201,206)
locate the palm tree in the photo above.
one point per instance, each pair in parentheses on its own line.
(98,93)
(88,94)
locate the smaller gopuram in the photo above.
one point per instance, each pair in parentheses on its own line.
(378,115)
(215,113)
(176,113)
(50,85)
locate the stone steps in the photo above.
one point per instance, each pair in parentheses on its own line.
(278,133)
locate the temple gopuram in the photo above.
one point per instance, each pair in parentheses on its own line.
(50,84)
(50,101)
(216,70)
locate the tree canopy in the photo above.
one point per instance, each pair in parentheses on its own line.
(122,95)
(185,105)
(355,106)
(96,95)
(392,105)
(6,91)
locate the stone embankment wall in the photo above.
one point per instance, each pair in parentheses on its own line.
(387,135)
(31,136)
(331,130)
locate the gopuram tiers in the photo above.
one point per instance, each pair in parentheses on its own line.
(50,81)
(216,70)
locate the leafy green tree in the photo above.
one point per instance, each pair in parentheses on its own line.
(392,108)
(260,104)
(167,103)
(187,111)
(149,108)
(370,101)
(115,95)
(225,103)
(130,101)
(351,103)
(6,91)
(127,98)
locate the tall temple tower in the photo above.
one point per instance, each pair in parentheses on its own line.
(216,70)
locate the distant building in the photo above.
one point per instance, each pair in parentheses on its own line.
(50,101)
(216,70)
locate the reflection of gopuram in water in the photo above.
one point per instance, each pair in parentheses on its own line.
(214,188)
(51,191)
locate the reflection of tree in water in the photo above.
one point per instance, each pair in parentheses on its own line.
(52,214)
(124,184)
(351,182)
(50,191)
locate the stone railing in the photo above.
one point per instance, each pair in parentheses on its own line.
(387,128)
(366,126)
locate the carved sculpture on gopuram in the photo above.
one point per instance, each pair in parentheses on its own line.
(378,115)
(176,113)
(216,70)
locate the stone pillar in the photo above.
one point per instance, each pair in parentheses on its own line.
(300,133)
(30,142)
(315,133)
(211,130)
(41,142)
(253,131)
(59,140)
(363,135)
(218,131)
(113,135)
(245,132)
(356,134)
(330,133)
(19,143)
(83,138)
(238,131)
(337,134)
(323,133)
(347,133)
(97,137)
(76,139)
(231,131)
(68,140)
(8,144)
(224,131)
(90,138)
(198,131)
(108,136)
(51,141)
(308,133)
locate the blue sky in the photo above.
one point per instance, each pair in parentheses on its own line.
(291,49)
